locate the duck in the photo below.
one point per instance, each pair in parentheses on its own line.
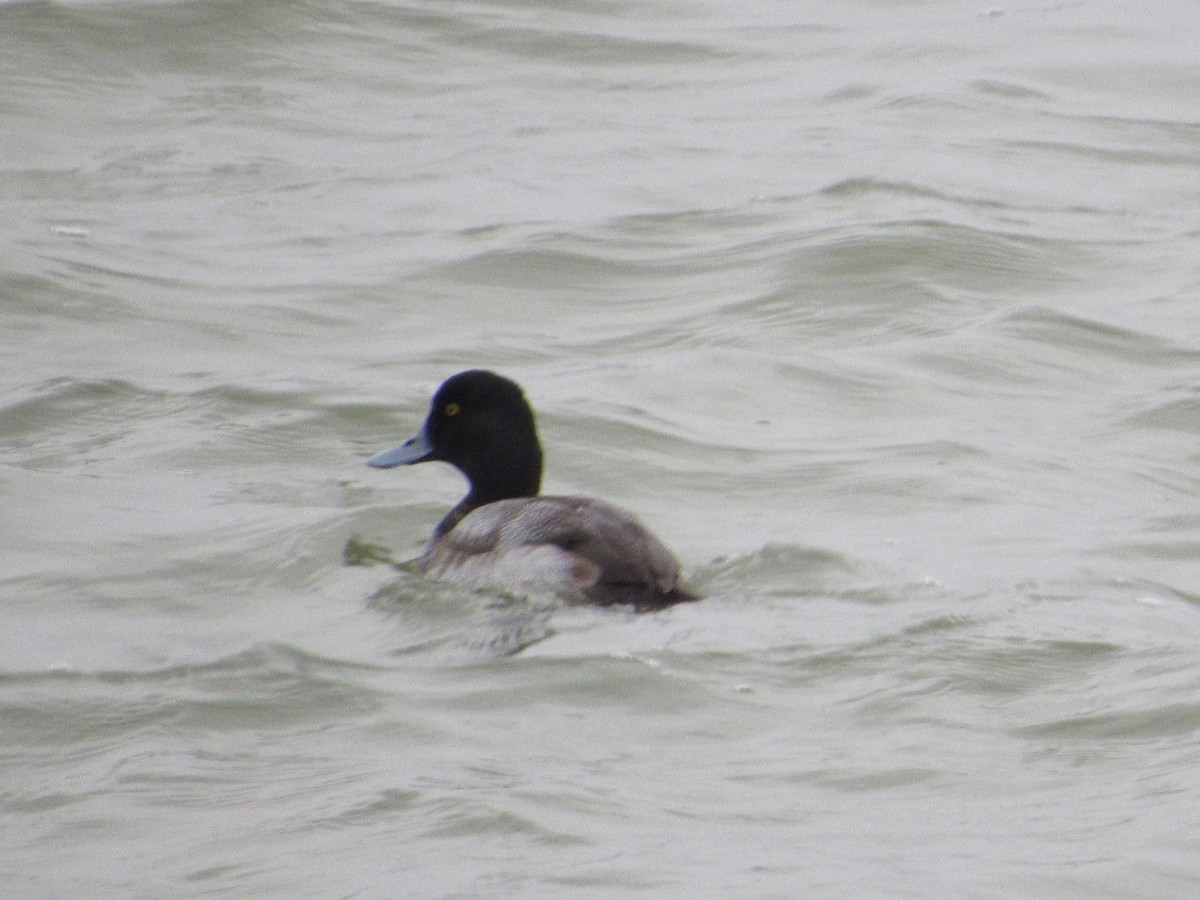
(504,534)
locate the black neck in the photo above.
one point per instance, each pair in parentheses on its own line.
(514,471)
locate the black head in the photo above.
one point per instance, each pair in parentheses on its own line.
(480,423)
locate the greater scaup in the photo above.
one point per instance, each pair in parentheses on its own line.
(502,534)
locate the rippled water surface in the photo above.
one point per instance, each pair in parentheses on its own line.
(883,315)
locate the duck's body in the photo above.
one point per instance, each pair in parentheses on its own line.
(576,546)
(502,535)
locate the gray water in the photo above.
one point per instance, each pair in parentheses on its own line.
(882,315)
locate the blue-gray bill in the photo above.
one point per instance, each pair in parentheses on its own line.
(414,450)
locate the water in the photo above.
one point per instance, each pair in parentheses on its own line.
(881,315)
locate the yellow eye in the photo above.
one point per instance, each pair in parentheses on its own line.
(452,409)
